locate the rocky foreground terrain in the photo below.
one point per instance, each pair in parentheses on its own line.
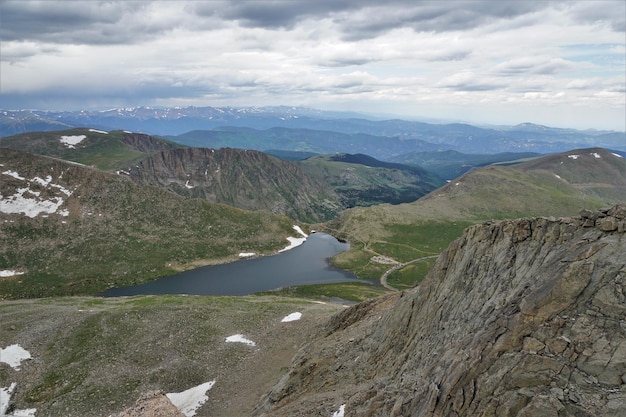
(516,318)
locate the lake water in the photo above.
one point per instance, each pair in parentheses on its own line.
(303,265)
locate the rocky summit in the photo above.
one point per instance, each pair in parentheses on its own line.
(517,318)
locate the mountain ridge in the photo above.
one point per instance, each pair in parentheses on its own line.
(246,179)
(176,121)
(516,318)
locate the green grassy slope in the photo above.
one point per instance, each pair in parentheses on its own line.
(95,357)
(115,232)
(103,150)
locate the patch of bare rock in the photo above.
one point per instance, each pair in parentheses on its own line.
(152,404)
(517,318)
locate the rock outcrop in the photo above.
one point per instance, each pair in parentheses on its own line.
(152,404)
(517,318)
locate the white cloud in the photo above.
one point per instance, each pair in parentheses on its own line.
(422,59)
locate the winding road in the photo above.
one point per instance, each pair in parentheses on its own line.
(383,278)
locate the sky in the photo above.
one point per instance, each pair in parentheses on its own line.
(557,63)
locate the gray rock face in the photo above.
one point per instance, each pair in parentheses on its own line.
(250,180)
(516,318)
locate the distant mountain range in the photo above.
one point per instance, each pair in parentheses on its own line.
(208,124)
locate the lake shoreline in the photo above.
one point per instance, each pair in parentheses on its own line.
(306,261)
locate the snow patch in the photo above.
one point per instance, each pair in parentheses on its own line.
(99,131)
(14,175)
(187,185)
(340,412)
(29,202)
(295,241)
(573,156)
(292,317)
(299,230)
(71,141)
(29,206)
(246,254)
(9,273)
(558,176)
(618,155)
(596,155)
(5,398)
(239,338)
(13,355)
(190,400)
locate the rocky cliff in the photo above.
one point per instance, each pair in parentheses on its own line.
(516,318)
(245,179)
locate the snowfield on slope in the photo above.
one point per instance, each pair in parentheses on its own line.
(30,201)
(190,400)
(295,241)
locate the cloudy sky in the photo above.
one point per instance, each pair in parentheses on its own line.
(559,63)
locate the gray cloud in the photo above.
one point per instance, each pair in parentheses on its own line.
(116,22)
(431,16)
(23,50)
(540,66)
(347,61)
(77,22)
(473,86)
(607,12)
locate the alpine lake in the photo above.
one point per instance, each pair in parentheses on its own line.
(305,264)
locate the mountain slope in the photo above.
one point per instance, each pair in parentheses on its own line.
(361,180)
(516,318)
(302,140)
(594,172)
(75,230)
(93,357)
(101,149)
(408,231)
(246,179)
(451,164)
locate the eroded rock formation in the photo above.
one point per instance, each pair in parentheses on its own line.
(246,179)
(516,318)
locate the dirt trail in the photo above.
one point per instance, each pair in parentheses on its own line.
(383,278)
